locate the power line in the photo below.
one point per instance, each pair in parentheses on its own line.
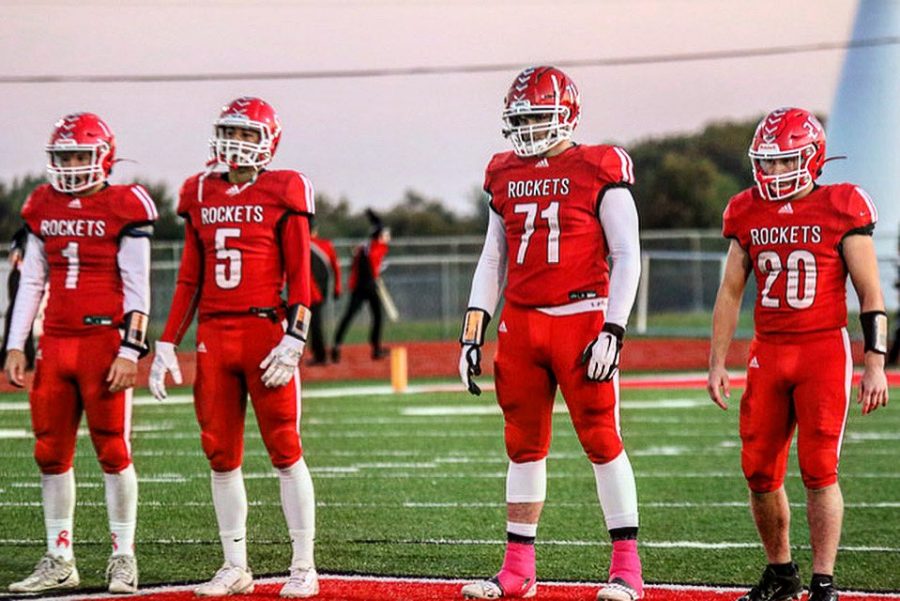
(653,59)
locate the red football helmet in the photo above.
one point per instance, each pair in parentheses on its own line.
(545,93)
(80,132)
(247,113)
(793,134)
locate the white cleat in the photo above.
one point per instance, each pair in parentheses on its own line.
(52,573)
(618,590)
(302,583)
(122,574)
(229,580)
(491,589)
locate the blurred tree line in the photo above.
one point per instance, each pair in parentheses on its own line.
(683,181)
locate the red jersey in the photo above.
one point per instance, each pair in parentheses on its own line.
(242,243)
(795,248)
(81,241)
(556,247)
(364,274)
(327,256)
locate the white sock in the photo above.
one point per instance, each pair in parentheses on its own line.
(522,529)
(230,501)
(527,482)
(617,492)
(298,502)
(121,507)
(58,496)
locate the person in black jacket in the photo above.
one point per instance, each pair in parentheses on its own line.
(364,273)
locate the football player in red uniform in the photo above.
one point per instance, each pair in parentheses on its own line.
(90,242)
(246,235)
(800,240)
(559,210)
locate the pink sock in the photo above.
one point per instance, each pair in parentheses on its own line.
(626,564)
(518,573)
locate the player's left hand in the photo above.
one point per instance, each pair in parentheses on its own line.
(873,387)
(469,367)
(281,362)
(122,374)
(602,354)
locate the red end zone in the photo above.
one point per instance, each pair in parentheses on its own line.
(362,588)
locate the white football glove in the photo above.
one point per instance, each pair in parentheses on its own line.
(164,361)
(602,354)
(281,362)
(472,337)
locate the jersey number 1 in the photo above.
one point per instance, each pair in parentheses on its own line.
(551,215)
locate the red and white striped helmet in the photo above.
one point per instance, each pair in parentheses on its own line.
(80,132)
(545,93)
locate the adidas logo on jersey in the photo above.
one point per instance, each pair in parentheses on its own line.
(787,209)
(502,327)
(542,163)
(74,203)
(201,348)
(754,362)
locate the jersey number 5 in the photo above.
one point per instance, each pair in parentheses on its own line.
(799,263)
(228,274)
(551,216)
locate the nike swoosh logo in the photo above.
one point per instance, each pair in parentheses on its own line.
(63,579)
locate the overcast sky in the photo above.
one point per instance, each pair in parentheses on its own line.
(371,138)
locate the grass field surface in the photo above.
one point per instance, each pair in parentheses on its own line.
(414,485)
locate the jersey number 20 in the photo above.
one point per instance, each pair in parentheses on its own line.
(798,295)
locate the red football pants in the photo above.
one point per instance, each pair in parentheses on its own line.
(535,354)
(229,351)
(70,377)
(800,381)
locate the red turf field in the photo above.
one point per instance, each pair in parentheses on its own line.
(356,588)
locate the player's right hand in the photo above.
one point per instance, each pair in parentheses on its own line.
(472,338)
(718,387)
(15,367)
(470,366)
(164,361)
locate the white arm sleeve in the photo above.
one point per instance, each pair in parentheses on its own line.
(31,290)
(619,218)
(491,270)
(134,269)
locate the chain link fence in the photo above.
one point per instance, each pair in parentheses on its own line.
(429,279)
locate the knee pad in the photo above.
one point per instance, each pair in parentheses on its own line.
(818,471)
(602,444)
(51,457)
(523,447)
(113,454)
(220,459)
(763,474)
(284,447)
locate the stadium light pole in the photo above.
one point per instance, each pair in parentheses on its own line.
(864,125)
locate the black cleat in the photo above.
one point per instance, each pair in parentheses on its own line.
(823,591)
(775,587)
(335,354)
